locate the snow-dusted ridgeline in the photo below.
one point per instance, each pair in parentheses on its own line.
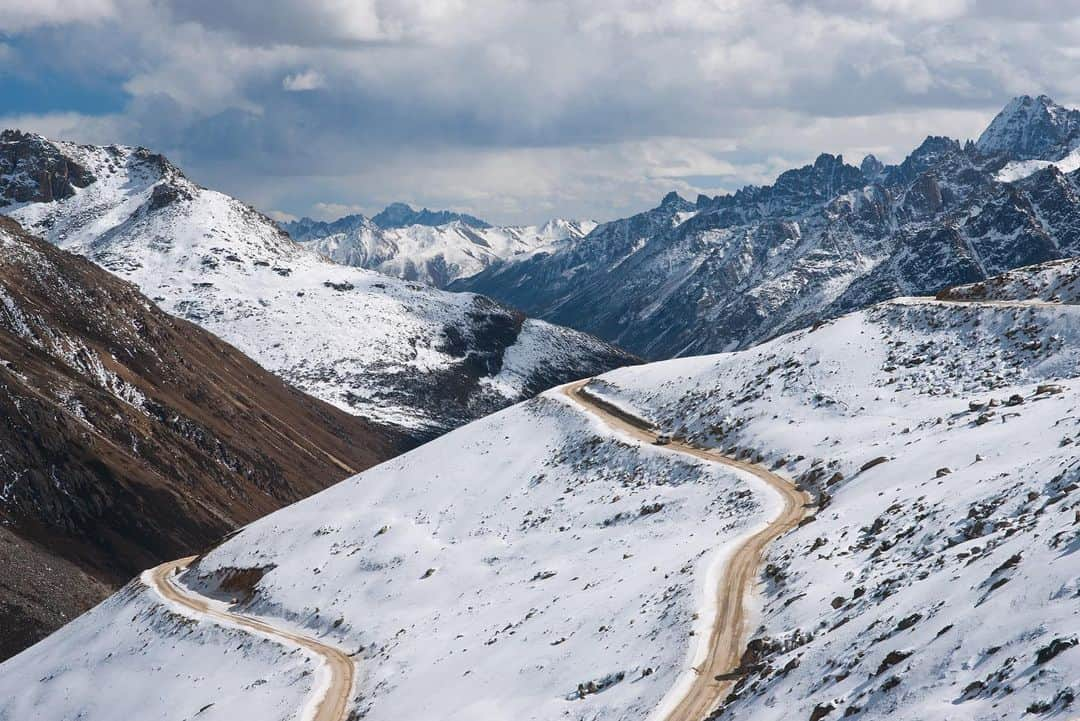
(435,255)
(396,352)
(831,237)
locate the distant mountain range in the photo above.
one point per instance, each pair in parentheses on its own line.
(730,271)
(403,355)
(432,247)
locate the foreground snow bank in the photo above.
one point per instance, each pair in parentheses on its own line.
(133,658)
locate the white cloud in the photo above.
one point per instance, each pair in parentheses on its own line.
(100,129)
(281,216)
(515,107)
(333,211)
(307,80)
(22,15)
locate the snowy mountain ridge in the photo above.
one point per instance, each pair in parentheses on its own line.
(1032,129)
(828,238)
(393,351)
(431,247)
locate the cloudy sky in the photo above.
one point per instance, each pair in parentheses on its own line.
(518,110)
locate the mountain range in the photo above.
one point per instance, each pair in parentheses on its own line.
(432,247)
(538,563)
(885,355)
(398,353)
(730,271)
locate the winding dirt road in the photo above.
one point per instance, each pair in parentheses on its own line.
(727,637)
(328,702)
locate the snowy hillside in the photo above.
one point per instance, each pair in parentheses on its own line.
(1053,282)
(940,580)
(687,278)
(129,437)
(389,350)
(536,564)
(433,253)
(508,565)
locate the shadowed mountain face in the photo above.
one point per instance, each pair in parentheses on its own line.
(401,215)
(129,437)
(731,271)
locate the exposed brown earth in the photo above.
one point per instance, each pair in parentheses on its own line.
(128,436)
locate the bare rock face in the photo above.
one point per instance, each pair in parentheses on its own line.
(131,437)
(35,171)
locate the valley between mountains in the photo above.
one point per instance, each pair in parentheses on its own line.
(847,487)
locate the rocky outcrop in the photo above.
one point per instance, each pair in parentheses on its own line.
(32,170)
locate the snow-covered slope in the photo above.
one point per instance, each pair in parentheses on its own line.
(1053,282)
(432,253)
(389,350)
(940,580)
(129,437)
(497,571)
(493,573)
(825,239)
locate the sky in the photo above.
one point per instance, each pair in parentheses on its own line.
(520,110)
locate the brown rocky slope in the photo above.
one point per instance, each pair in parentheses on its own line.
(128,436)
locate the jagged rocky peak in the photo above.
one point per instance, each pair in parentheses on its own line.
(33,169)
(674,200)
(1032,128)
(932,152)
(310,229)
(871,166)
(828,176)
(402,215)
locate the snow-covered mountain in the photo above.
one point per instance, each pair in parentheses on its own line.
(129,437)
(731,271)
(389,350)
(538,564)
(1032,129)
(431,247)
